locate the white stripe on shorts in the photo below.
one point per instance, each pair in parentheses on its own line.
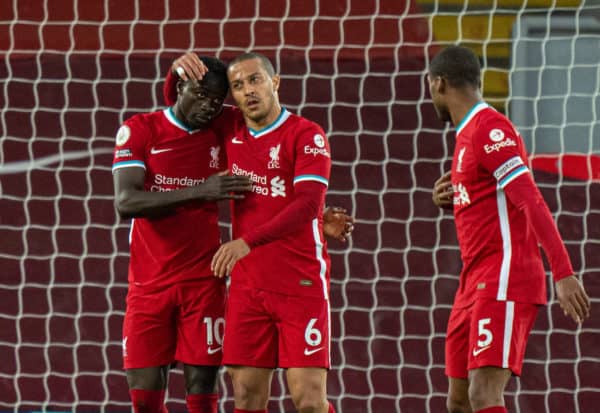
(508,329)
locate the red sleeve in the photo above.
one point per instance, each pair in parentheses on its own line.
(170,89)
(525,195)
(131,141)
(308,197)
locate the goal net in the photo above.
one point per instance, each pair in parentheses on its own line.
(72,70)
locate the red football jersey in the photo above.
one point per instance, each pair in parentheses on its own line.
(499,250)
(179,246)
(291,150)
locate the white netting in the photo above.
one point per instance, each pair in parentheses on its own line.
(73,70)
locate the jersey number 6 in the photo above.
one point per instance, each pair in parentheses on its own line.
(312,336)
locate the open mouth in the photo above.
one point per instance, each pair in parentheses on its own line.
(252,103)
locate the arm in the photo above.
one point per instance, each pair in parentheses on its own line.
(132,200)
(303,208)
(525,195)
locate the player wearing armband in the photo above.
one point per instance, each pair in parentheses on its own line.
(168,172)
(500,217)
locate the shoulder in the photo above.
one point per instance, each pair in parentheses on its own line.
(490,118)
(144,120)
(305,127)
(493,126)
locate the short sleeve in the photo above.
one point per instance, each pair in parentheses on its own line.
(313,156)
(500,150)
(130,144)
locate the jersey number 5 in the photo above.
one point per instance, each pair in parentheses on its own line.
(484,333)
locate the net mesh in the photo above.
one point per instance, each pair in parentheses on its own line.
(73,70)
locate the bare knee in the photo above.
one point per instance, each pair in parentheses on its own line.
(200,379)
(310,402)
(308,389)
(250,387)
(486,387)
(458,396)
(149,378)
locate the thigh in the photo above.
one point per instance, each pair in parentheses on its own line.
(201,322)
(304,330)
(499,333)
(250,333)
(457,343)
(251,386)
(149,332)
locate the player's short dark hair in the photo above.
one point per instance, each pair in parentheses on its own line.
(216,70)
(253,55)
(458,65)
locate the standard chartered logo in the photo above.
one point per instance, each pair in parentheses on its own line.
(277,187)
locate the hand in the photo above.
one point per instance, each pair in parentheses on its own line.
(336,224)
(573,299)
(191,65)
(223,186)
(227,256)
(443,193)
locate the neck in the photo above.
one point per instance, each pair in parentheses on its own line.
(267,120)
(461,104)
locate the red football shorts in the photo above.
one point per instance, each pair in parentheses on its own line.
(268,330)
(488,333)
(183,322)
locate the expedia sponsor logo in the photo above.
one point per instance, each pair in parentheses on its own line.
(316,151)
(497,146)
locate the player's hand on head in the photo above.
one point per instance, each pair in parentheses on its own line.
(227,256)
(573,299)
(189,66)
(224,186)
(443,193)
(337,224)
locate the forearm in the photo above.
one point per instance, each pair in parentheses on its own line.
(308,198)
(134,203)
(526,196)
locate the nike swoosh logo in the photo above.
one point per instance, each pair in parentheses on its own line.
(155,151)
(236,140)
(213,350)
(479,350)
(308,352)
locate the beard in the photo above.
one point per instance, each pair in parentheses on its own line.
(443,113)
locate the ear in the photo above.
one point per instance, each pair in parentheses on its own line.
(442,85)
(180,85)
(276,81)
